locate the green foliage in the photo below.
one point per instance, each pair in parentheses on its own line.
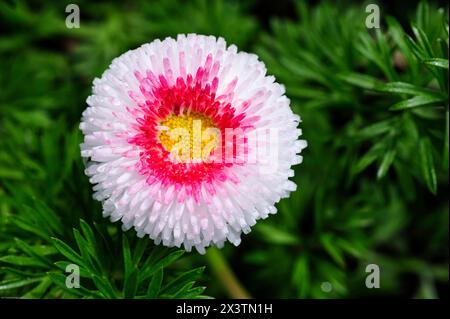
(46,72)
(372,188)
(374,105)
(109,264)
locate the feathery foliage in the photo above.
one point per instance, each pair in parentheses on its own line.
(374,105)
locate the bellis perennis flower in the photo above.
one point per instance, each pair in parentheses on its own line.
(189,141)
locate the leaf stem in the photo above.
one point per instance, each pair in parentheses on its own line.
(225,275)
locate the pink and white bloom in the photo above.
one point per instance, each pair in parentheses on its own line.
(198,86)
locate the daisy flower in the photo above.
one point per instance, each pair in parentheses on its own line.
(189,141)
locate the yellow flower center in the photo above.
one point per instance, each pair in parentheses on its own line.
(189,137)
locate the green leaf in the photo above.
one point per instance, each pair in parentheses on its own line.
(427,164)
(405,88)
(22,223)
(7,173)
(388,159)
(415,48)
(21,273)
(68,252)
(182,291)
(140,250)
(30,251)
(16,283)
(128,263)
(195,293)
(40,290)
(48,215)
(301,276)
(375,152)
(23,261)
(352,247)
(374,130)
(332,249)
(423,41)
(87,252)
(155,284)
(179,282)
(105,287)
(131,284)
(276,235)
(417,101)
(82,244)
(361,80)
(440,63)
(398,34)
(171,258)
(131,274)
(89,235)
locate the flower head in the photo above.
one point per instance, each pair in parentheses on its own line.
(189,141)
